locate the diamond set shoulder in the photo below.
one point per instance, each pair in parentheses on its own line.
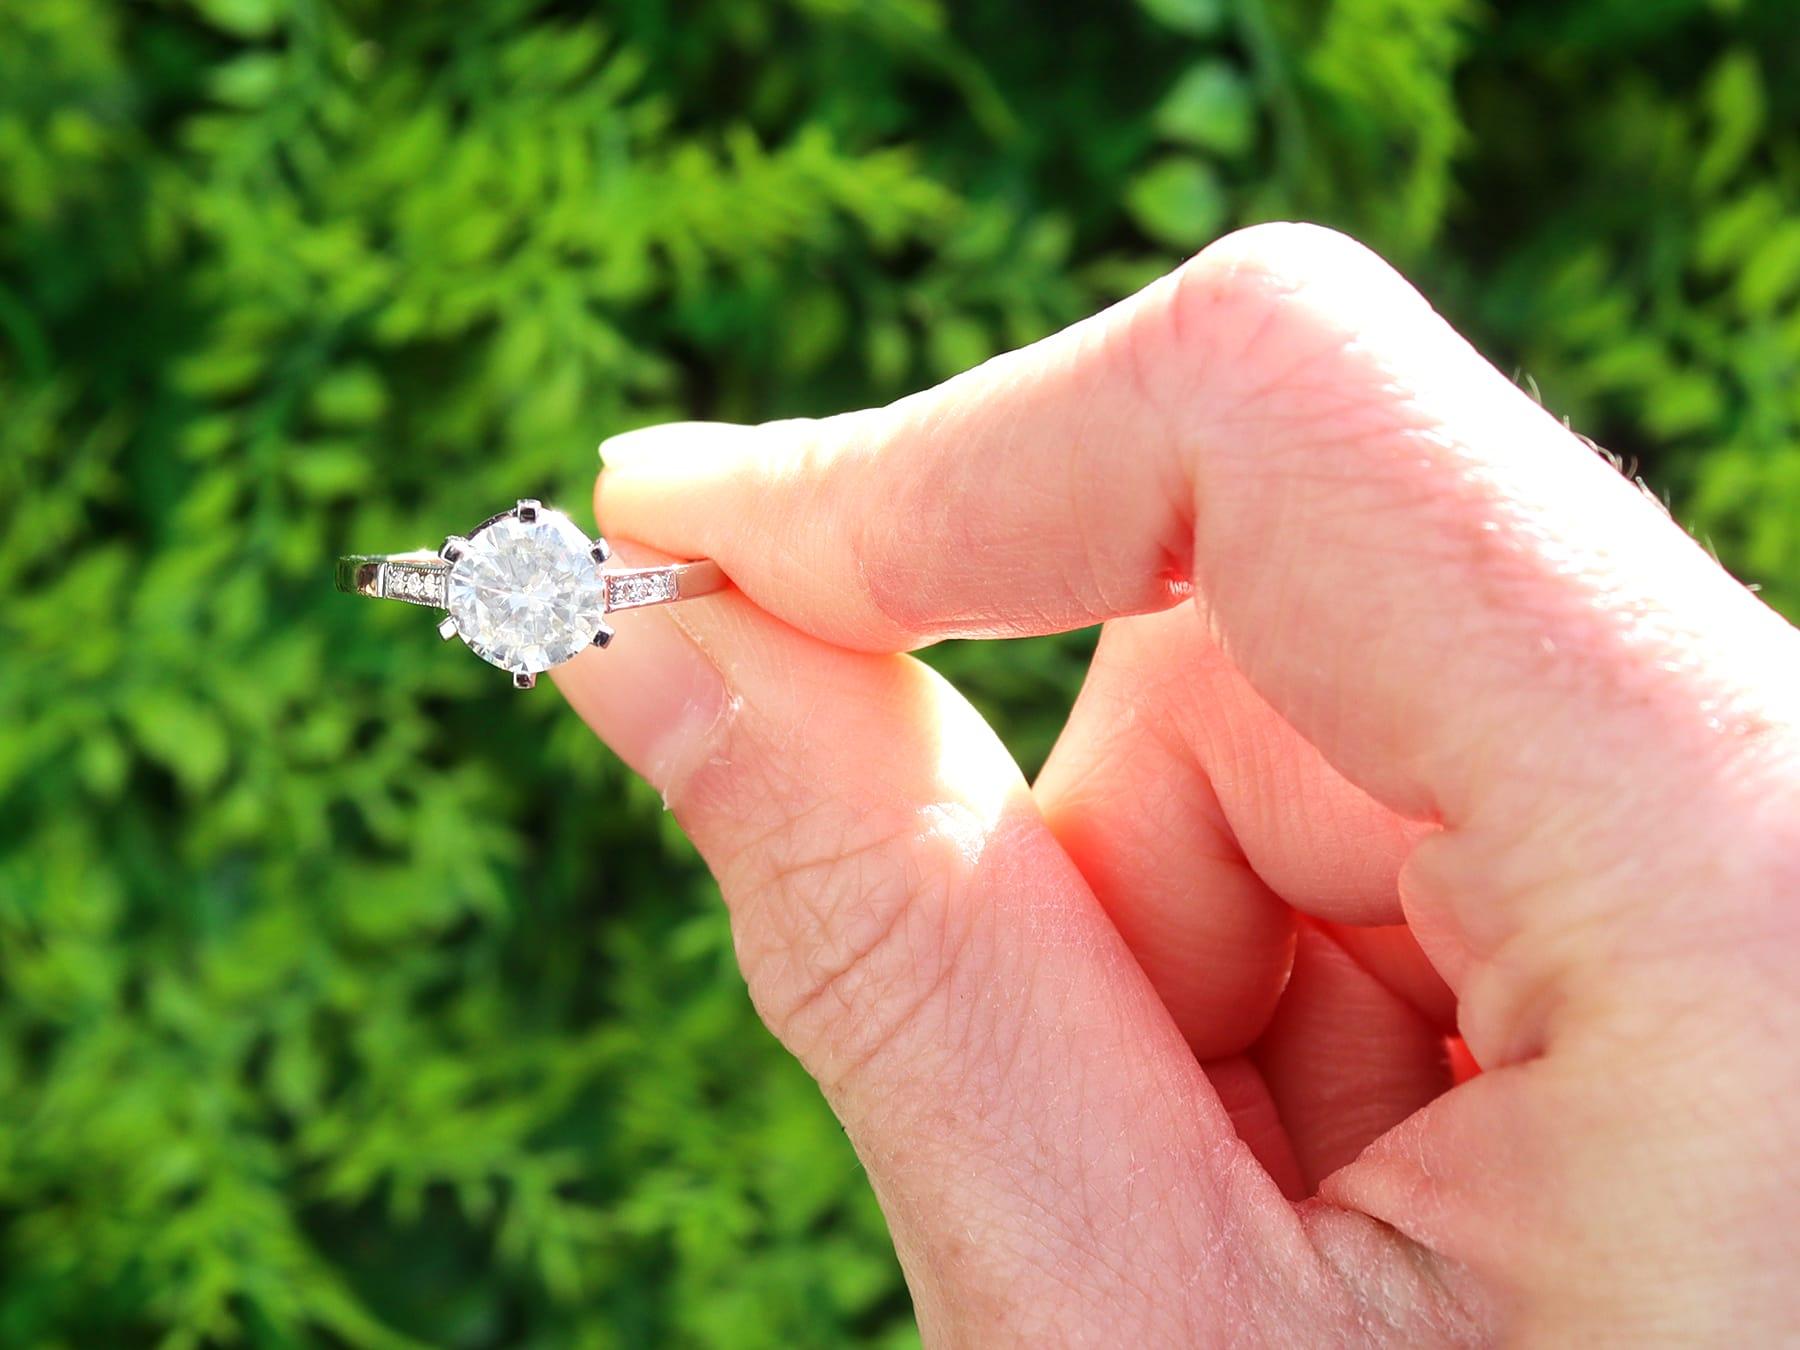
(525,590)
(414,583)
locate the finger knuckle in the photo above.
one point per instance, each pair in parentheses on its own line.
(1304,371)
(1271,321)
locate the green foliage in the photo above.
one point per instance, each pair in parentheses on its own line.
(346,995)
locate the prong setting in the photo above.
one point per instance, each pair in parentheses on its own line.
(526,590)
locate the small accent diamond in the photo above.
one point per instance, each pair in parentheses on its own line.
(625,591)
(418,585)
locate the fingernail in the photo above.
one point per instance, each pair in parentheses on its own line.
(641,442)
(651,694)
(672,446)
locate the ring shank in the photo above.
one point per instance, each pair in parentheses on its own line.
(420,578)
(635,587)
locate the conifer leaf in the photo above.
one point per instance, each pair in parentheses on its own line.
(180,733)
(1197,18)
(1211,107)
(1178,201)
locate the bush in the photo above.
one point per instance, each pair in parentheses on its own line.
(347,995)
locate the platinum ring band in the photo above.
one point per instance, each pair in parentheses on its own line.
(526,590)
(420,578)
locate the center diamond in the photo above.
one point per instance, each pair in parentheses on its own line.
(527,595)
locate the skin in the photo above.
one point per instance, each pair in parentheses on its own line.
(1411,719)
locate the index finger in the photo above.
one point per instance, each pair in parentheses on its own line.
(1473,617)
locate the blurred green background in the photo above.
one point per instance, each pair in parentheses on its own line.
(348,996)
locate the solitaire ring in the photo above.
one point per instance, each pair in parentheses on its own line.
(525,590)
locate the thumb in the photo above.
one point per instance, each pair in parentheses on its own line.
(1044,1145)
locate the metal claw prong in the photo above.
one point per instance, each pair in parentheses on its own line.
(604,636)
(446,628)
(453,548)
(601,550)
(527,509)
(523,679)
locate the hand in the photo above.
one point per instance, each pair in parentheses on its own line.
(1410,716)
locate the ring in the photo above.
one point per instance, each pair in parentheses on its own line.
(525,590)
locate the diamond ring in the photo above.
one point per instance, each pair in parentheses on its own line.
(526,590)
